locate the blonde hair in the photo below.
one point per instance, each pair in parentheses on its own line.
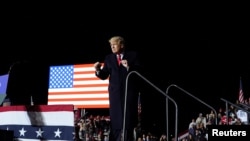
(117,39)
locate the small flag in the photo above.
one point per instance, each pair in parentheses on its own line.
(241,95)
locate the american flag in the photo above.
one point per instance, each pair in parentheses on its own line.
(39,123)
(241,95)
(77,85)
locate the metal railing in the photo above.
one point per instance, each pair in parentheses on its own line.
(125,103)
(186,92)
(166,94)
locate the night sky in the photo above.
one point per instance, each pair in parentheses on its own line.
(207,60)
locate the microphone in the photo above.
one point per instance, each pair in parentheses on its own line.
(31,101)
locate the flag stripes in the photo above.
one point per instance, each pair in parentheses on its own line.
(241,95)
(37,123)
(77,85)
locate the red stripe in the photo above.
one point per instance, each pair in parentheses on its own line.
(90,78)
(92,106)
(80,93)
(42,108)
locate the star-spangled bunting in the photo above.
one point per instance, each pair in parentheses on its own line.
(50,123)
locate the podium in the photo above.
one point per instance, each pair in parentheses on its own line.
(46,122)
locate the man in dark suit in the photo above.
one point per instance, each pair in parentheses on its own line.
(116,70)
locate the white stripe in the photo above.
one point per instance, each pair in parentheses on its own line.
(89,75)
(105,95)
(82,69)
(92,102)
(78,89)
(45,118)
(91,82)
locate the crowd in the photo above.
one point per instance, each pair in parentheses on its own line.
(97,128)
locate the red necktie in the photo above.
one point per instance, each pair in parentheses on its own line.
(119,59)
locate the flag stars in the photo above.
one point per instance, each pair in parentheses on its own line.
(22,132)
(58,133)
(39,133)
(61,76)
(74,135)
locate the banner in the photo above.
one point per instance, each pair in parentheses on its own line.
(39,123)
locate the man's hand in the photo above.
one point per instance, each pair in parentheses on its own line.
(97,66)
(125,64)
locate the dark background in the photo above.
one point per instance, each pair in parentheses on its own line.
(205,55)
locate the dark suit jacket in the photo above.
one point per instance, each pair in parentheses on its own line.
(117,82)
